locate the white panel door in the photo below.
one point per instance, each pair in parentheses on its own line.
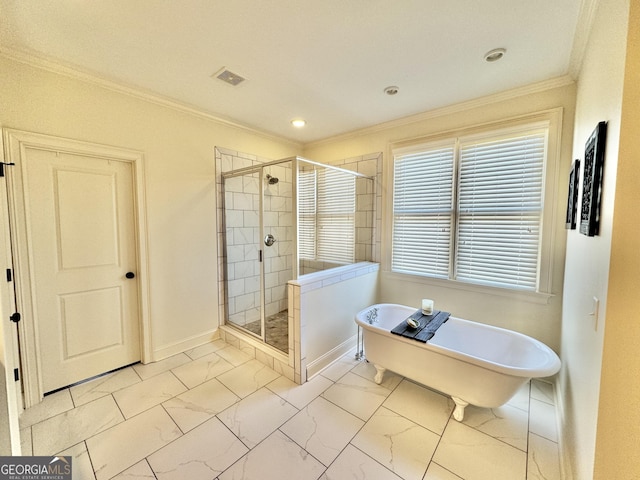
(81,229)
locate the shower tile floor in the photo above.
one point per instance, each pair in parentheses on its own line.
(216,413)
(277,330)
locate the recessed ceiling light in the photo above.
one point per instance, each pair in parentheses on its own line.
(298,122)
(391,90)
(495,54)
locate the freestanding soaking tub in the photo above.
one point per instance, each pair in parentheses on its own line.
(474,363)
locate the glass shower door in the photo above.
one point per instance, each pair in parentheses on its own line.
(242,200)
(277,252)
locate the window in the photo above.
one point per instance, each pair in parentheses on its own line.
(326,221)
(470,209)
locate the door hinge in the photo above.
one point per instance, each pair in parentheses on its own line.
(2,164)
(15,317)
(9,275)
(16,374)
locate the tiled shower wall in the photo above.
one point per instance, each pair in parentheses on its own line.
(242,230)
(241,197)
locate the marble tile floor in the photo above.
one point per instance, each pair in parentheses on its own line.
(216,413)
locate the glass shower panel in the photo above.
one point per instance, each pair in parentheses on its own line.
(242,228)
(335,217)
(278,253)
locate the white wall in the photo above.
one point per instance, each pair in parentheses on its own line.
(540,320)
(180,185)
(599,98)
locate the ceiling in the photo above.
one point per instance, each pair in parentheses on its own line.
(326,61)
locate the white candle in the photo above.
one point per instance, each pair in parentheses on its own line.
(427,306)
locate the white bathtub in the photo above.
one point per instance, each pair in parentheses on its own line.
(473,363)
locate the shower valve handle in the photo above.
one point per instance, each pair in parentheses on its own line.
(269,240)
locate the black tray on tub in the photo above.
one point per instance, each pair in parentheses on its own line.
(427,328)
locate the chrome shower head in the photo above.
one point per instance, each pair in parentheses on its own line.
(272,180)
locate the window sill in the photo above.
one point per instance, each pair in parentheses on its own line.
(522,295)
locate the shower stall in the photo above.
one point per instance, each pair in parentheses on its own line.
(282,220)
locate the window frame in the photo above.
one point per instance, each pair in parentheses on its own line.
(551,120)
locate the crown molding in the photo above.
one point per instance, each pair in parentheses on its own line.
(53,66)
(586,18)
(530,89)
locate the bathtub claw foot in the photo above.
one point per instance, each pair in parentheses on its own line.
(458,413)
(379,374)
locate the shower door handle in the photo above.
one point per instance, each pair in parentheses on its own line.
(269,240)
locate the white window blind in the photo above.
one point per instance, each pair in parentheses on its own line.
(307,215)
(500,209)
(471,210)
(422,212)
(335,217)
(326,220)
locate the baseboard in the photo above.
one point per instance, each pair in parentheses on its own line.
(314,367)
(566,472)
(171,349)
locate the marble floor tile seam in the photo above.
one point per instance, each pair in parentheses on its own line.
(449,420)
(364,453)
(452,474)
(132,417)
(382,405)
(499,439)
(145,458)
(333,382)
(440,437)
(99,380)
(327,467)
(543,438)
(250,448)
(333,403)
(84,441)
(84,382)
(350,443)
(255,446)
(435,391)
(67,411)
(233,433)
(114,426)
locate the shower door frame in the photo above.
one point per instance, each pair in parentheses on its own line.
(294,243)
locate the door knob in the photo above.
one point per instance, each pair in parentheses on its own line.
(130,275)
(269,240)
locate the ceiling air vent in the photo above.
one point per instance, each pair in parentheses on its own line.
(229,77)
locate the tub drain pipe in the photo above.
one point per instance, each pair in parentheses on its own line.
(359,347)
